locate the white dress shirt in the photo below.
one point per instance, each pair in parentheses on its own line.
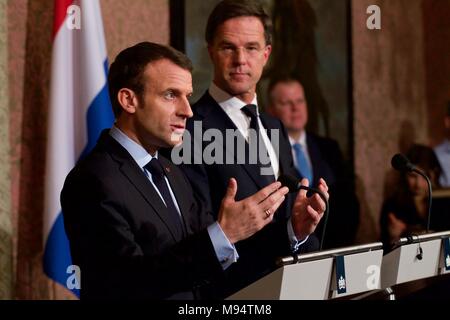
(232,107)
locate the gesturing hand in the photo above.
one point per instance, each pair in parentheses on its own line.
(241,219)
(307,212)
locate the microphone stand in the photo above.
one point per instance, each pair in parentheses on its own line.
(401,163)
(429,195)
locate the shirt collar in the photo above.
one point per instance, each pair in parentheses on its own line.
(227,101)
(137,152)
(301,140)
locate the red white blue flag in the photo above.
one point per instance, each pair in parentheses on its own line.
(79,110)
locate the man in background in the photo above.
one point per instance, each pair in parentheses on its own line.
(316,157)
(443,152)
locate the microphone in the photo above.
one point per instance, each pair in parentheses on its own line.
(401,163)
(294,185)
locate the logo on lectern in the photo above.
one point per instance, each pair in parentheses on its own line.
(446,255)
(341,283)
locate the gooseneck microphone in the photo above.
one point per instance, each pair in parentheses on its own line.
(295,185)
(401,163)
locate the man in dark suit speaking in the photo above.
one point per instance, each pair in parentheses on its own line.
(134,227)
(239,45)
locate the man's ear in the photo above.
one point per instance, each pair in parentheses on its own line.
(210,52)
(128,100)
(270,110)
(267,51)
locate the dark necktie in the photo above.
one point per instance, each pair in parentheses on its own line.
(259,146)
(157,171)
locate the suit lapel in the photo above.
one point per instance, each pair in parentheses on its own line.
(214,117)
(320,164)
(284,147)
(315,157)
(129,168)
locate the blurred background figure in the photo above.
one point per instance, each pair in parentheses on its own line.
(443,152)
(316,157)
(406,212)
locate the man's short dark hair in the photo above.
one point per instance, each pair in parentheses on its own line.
(280,79)
(128,68)
(229,9)
(448,109)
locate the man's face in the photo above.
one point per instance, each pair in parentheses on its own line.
(160,117)
(288,104)
(417,185)
(239,54)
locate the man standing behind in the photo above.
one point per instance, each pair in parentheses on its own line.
(443,152)
(134,228)
(316,157)
(239,44)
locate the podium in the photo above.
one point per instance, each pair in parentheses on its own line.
(416,257)
(320,275)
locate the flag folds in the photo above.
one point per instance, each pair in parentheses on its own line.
(79,109)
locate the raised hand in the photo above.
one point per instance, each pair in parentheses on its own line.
(307,212)
(241,219)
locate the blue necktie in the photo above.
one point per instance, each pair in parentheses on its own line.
(302,163)
(157,171)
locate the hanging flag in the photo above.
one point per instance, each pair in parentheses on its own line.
(79,110)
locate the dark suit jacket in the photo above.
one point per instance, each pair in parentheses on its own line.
(258,253)
(328,163)
(120,235)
